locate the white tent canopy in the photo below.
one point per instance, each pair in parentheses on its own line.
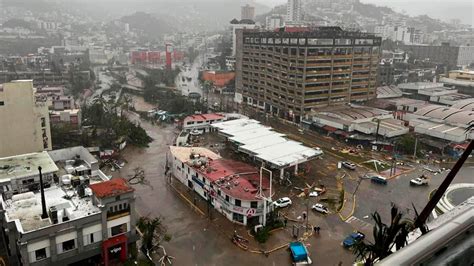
(265,144)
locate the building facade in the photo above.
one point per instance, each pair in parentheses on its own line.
(27,118)
(274,21)
(443,54)
(290,73)
(293,11)
(231,187)
(247,12)
(80,217)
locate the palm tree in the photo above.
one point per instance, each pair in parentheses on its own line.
(386,237)
(150,229)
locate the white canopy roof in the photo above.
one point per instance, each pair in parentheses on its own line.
(265,144)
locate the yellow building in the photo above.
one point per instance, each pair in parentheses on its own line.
(24,120)
(462,75)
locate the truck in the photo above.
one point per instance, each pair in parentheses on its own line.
(299,254)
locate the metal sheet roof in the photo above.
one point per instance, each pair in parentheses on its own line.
(263,143)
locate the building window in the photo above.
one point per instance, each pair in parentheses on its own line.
(2,103)
(119,229)
(227,198)
(40,254)
(43,122)
(69,245)
(92,238)
(238,203)
(253,204)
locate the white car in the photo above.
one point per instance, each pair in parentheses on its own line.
(313,194)
(349,165)
(419,181)
(320,208)
(282,202)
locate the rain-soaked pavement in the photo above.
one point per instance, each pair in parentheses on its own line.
(195,239)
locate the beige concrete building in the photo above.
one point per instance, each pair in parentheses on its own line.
(24,120)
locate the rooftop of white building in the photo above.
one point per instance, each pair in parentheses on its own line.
(25,209)
(265,144)
(26,165)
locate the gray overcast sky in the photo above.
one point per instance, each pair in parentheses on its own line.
(442,9)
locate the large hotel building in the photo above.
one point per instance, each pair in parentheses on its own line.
(291,71)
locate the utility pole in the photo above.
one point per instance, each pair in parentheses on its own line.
(416,144)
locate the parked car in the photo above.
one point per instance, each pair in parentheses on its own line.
(320,208)
(419,181)
(349,165)
(353,239)
(313,194)
(282,202)
(378,179)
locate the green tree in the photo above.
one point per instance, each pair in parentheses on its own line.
(386,237)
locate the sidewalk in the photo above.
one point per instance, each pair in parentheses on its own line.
(348,206)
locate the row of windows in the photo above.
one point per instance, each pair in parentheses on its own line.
(309,41)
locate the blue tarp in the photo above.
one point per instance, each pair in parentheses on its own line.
(298,251)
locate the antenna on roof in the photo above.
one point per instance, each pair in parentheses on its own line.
(44,214)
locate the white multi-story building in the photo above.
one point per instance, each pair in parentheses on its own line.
(394,33)
(24,120)
(274,21)
(80,217)
(231,187)
(293,11)
(236,25)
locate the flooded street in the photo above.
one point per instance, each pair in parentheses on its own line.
(196,240)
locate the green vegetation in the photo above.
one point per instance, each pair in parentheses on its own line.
(166,98)
(406,144)
(104,125)
(160,76)
(104,117)
(264,233)
(385,237)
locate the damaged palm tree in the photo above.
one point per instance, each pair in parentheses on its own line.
(153,233)
(386,237)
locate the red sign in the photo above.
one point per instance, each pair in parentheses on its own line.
(251,212)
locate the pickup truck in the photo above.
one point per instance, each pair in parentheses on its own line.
(419,181)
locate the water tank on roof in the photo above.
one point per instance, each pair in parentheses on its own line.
(66,180)
(23,196)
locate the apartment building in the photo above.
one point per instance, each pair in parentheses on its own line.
(293,11)
(231,187)
(247,12)
(79,217)
(24,119)
(290,72)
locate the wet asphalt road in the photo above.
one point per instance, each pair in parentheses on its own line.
(195,241)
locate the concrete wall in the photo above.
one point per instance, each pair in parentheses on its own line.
(24,121)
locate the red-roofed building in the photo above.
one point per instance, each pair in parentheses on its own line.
(111,188)
(232,187)
(201,121)
(117,202)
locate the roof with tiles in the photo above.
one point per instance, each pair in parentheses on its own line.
(111,188)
